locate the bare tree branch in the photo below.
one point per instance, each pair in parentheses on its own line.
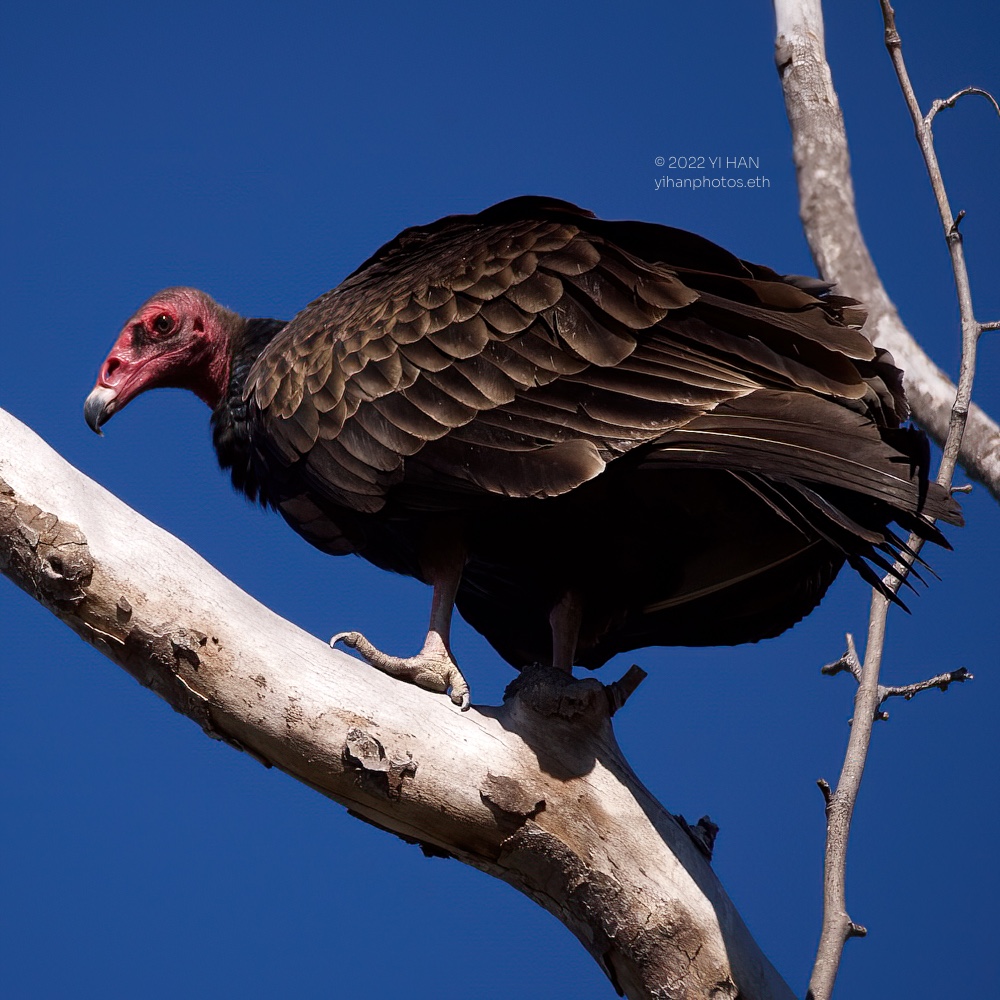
(851,664)
(950,102)
(829,217)
(971,329)
(535,792)
(907,691)
(830,221)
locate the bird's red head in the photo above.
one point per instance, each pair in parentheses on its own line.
(179,339)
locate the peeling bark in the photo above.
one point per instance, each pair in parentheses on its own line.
(535,792)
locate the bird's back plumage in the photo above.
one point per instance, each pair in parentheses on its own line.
(693,443)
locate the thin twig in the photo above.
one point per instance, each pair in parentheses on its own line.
(907,691)
(950,102)
(970,328)
(824,787)
(849,663)
(837,925)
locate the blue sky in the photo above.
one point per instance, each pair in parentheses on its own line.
(260,152)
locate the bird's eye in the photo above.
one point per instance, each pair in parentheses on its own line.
(163,324)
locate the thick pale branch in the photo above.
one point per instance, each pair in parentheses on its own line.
(535,792)
(830,221)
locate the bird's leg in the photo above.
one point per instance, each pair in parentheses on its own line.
(565,619)
(434,667)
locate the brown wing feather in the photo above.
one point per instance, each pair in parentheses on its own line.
(516,352)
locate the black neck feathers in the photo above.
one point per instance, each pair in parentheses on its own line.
(231,422)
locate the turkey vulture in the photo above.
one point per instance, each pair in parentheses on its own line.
(590,436)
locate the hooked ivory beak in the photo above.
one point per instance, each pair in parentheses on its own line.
(99,407)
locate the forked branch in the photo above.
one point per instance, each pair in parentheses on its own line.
(971,329)
(830,221)
(851,664)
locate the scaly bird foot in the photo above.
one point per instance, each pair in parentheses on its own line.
(432,668)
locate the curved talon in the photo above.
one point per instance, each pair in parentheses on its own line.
(458,689)
(347,638)
(432,669)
